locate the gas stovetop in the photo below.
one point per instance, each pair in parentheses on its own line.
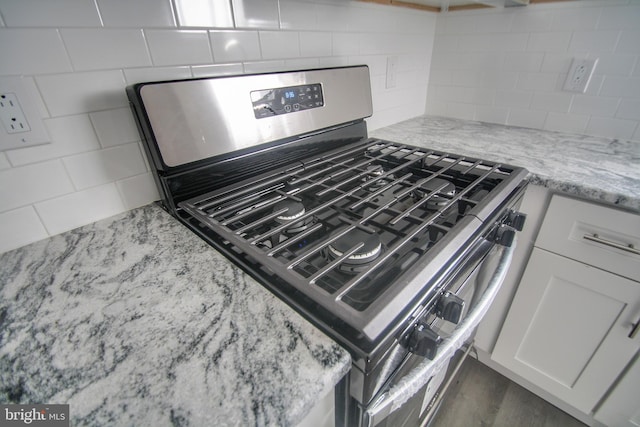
(344,227)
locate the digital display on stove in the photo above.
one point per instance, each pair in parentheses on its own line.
(285,100)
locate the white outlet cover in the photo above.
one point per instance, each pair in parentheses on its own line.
(37,133)
(580,74)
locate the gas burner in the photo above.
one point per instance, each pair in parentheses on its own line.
(373,172)
(294,210)
(371,249)
(446,191)
(294,215)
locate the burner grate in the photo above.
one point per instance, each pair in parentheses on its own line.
(378,188)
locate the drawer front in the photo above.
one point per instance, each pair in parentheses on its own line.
(603,237)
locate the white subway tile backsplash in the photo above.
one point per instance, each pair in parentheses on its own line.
(335,61)
(623,87)
(138,191)
(154,74)
(460,110)
(513,98)
(46,13)
(549,42)
(620,17)
(256,13)
(493,23)
(617,64)
(594,105)
(300,63)
(216,70)
(78,70)
(613,128)
(235,46)
(532,22)
(628,42)
(114,127)
(556,62)
(204,13)
(178,47)
(575,19)
(489,114)
(561,122)
(80,208)
(137,14)
(296,15)
(29,184)
(371,18)
(92,49)
(278,44)
(594,41)
(20,227)
(547,101)
(545,82)
(69,135)
(629,109)
(263,66)
(345,44)
(518,61)
(493,42)
(315,44)
(4,162)
(75,93)
(334,17)
(103,166)
(377,63)
(32,51)
(526,118)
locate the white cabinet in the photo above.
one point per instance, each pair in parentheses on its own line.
(621,408)
(567,331)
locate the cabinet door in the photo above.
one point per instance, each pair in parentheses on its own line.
(567,329)
(621,407)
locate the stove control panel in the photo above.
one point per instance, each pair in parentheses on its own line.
(285,100)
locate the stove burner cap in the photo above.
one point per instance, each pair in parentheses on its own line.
(375,170)
(448,190)
(368,252)
(294,210)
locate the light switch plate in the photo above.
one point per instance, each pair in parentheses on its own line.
(21,123)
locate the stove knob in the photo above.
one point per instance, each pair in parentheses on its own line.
(516,220)
(424,341)
(505,236)
(450,307)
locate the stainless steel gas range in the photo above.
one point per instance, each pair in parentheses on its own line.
(394,251)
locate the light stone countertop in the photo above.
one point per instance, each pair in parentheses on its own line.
(135,321)
(600,169)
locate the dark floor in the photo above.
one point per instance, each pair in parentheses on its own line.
(482,397)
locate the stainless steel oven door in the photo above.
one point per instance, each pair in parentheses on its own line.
(418,376)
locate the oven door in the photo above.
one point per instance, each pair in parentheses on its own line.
(407,398)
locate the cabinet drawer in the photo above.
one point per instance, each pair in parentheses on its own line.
(593,234)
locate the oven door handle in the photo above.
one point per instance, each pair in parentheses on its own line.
(410,384)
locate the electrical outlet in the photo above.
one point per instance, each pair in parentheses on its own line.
(22,124)
(11,114)
(580,75)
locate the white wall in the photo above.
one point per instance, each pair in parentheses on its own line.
(508,66)
(77,56)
